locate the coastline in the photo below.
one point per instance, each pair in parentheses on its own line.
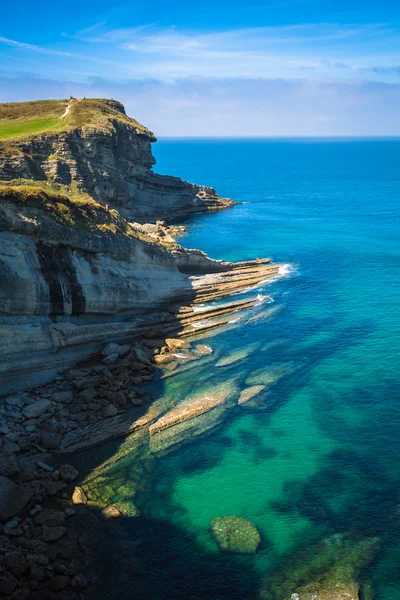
(99,401)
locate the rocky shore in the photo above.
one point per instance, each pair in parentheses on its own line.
(96,301)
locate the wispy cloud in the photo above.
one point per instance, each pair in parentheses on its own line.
(325,49)
(32,47)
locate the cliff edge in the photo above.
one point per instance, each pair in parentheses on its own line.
(94,145)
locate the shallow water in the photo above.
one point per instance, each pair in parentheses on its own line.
(317,452)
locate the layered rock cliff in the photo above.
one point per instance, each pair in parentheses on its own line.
(65,292)
(109,157)
(74,273)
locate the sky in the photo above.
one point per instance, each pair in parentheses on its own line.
(214,68)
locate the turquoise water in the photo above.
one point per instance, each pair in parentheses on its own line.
(317,452)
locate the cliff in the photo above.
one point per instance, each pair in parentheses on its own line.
(75,274)
(70,281)
(92,144)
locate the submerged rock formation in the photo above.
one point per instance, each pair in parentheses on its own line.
(109,157)
(235,535)
(328,570)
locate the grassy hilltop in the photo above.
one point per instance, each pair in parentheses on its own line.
(64,204)
(21,119)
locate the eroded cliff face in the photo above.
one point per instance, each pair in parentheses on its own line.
(64,293)
(113,164)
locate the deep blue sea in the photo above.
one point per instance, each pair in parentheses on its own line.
(314,460)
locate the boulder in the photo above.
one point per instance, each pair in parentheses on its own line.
(79,496)
(48,516)
(8,464)
(234,534)
(59,582)
(53,487)
(140,355)
(35,410)
(8,583)
(110,359)
(110,411)
(175,344)
(52,534)
(63,397)
(79,582)
(14,401)
(13,498)
(111,349)
(203,349)
(50,439)
(123,350)
(68,473)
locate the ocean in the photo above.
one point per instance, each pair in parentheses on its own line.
(313,460)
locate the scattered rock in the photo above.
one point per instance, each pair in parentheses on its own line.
(59,582)
(79,582)
(35,410)
(68,473)
(14,401)
(141,355)
(111,349)
(110,411)
(8,583)
(52,534)
(11,447)
(234,534)
(79,496)
(203,349)
(53,487)
(109,360)
(13,498)
(50,439)
(48,516)
(175,344)
(8,464)
(63,397)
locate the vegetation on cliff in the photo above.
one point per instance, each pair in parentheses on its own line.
(20,119)
(68,206)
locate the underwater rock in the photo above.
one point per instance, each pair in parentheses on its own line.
(328,570)
(203,349)
(236,356)
(269,375)
(250,392)
(124,509)
(234,534)
(192,407)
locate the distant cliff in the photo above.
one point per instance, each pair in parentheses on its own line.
(94,145)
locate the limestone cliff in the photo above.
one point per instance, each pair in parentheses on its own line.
(107,155)
(64,292)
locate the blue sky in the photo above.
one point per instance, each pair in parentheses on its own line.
(272,68)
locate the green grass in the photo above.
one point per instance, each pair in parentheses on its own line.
(19,128)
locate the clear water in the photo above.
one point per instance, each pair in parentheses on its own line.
(318,453)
